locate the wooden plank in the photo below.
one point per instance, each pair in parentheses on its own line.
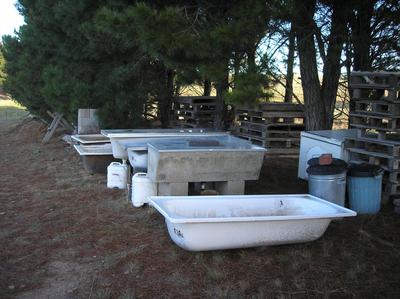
(378,122)
(371,133)
(378,128)
(195,113)
(392,176)
(270,134)
(67,126)
(271,120)
(286,127)
(390,188)
(374,74)
(377,107)
(283,151)
(271,142)
(378,146)
(270,114)
(52,128)
(386,162)
(371,86)
(282,127)
(372,115)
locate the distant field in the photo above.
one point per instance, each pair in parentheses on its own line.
(11,110)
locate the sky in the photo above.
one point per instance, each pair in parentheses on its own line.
(10,19)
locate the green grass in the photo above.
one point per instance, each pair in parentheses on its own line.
(11,110)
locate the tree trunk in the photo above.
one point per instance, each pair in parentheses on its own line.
(251,60)
(207,88)
(289,71)
(331,70)
(221,87)
(361,34)
(166,98)
(304,27)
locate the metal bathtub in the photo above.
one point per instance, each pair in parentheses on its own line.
(95,158)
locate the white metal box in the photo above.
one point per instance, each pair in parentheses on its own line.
(315,143)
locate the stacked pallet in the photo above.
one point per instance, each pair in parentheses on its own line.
(275,126)
(375,114)
(194,112)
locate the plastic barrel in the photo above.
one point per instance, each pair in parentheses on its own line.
(117,175)
(142,188)
(364,188)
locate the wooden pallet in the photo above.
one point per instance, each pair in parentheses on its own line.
(270,114)
(293,152)
(264,130)
(390,189)
(270,142)
(195,108)
(375,85)
(374,121)
(284,151)
(271,120)
(392,176)
(194,113)
(389,78)
(179,124)
(387,162)
(371,133)
(270,135)
(376,146)
(377,107)
(194,117)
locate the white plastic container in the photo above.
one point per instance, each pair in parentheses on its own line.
(117,175)
(142,189)
(200,223)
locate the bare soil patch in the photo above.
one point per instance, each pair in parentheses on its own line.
(63,234)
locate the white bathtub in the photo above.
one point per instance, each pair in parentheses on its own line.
(140,136)
(200,223)
(90,139)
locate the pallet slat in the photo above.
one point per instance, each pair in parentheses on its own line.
(392,149)
(361,156)
(378,122)
(377,107)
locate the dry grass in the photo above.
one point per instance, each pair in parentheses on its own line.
(52,211)
(11,110)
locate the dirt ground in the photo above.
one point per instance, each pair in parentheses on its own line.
(63,234)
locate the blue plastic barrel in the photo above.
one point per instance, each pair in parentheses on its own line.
(364,187)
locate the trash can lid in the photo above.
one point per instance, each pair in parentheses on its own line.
(364,170)
(335,162)
(337,166)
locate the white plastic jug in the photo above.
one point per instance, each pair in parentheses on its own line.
(117,175)
(142,188)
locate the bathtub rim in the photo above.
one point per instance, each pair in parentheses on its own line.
(342,211)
